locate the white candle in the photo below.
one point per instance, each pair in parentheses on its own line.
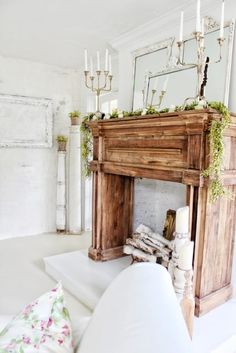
(165,83)
(185,259)
(106,60)
(203,32)
(203,26)
(110,68)
(91,66)
(85,60)
(222,20)
(98,61)
(182,220)
(181,26)
(198,17)
(155,84)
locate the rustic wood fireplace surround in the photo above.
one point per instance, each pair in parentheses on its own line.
(172,147)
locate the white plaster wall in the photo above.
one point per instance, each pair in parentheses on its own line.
(153,199)
(28,175)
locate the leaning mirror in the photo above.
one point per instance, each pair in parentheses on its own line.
(166,83)
(146,61)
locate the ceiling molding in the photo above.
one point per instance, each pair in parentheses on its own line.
(130,40)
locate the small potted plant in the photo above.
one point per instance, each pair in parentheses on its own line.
(62,141)
(74,116)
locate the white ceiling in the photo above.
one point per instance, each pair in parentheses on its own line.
(57,31)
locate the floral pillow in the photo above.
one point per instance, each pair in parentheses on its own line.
(43,326)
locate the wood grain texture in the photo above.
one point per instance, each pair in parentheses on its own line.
(171,147)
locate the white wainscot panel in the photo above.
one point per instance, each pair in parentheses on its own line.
(25,121)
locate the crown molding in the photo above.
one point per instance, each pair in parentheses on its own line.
(154,29)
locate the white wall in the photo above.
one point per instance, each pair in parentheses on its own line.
(28,175)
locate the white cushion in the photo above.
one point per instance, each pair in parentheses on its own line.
(78,328)
(4,320)
(138,313)
(42,326)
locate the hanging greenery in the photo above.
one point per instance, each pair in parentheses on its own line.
(86,144)
(216,130)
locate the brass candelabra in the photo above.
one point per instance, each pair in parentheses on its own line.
(96,85)
(201,64)
(160,98)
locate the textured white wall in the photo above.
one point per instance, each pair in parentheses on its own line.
(28,175)
(153,199)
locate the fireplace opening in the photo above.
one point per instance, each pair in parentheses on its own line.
(152,200)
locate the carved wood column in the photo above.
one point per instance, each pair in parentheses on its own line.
(112,214)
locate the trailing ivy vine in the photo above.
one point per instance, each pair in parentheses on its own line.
(86,145)
(216,130)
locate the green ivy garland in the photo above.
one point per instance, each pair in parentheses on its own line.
(86,144)
(216,130)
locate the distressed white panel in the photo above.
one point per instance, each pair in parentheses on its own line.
(74,193)
(25,121)
(61,191)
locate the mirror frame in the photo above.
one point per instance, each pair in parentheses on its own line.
(211,26)
(149,49)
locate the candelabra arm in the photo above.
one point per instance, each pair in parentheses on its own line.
(180,48)
(161,96)
(86,74)
(221,43)
(180,59)
(152,98)
(105,80)
(108,89)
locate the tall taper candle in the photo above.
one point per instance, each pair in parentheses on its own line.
(106,60)
(203,32)
(181,26)
(91,66)
(182,220)
(85,60)
(198,17)
(222,20)
(110,68)
(98,61)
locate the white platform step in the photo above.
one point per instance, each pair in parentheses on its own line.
(83,277)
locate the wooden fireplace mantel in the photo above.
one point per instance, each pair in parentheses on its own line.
(172,147)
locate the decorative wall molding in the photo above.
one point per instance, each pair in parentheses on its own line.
(25,121)
(160,25)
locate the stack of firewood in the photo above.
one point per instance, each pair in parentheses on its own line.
(145,245)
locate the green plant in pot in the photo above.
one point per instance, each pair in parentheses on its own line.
(62,141)
(74,116)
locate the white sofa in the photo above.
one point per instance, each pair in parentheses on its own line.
(138,313)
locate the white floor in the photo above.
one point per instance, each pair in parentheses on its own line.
(22,279)
(22,275)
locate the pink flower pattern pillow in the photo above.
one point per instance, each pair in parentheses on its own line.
(43,327)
